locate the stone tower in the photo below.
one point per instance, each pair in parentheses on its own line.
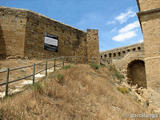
(149,17)
(93,46)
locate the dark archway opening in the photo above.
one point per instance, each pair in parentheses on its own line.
(136,73)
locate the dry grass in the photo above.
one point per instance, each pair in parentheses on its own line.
(83,94)
(20,73)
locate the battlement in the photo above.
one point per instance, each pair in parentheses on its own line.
(121,51)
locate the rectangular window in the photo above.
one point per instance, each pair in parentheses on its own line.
(51,42)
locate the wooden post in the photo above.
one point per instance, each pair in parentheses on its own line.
(63,61)
(46,67)
(55,64)
(7,79)
(33,73)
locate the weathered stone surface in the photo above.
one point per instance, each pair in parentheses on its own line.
(148,4)
(123,58)
(92,45)
(149,17)
(22,34)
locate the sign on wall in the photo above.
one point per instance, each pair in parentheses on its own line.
(51,43)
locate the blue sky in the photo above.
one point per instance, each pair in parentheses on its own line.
(116,20)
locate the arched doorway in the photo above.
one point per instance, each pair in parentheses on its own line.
(136,73)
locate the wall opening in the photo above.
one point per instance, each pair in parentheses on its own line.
(139,48)
(119,53)
(110,55)
(134,49)
(51,42)
(136,73)
(114,54)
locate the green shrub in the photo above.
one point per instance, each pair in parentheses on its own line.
(95,66)
(37,87)
(116,73)
(123,90)
(66,67)
(119,76)
(110,67)
(60,79)
(102,65)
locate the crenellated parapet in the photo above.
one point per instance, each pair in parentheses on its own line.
(118,53)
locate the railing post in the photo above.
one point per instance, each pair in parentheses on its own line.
(63,61)
(55,64)
(46,67)
(75,60)
(7,79)
(33,73)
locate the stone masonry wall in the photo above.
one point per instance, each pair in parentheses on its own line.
(122,57)
(22,33)
(119,53)
(92,45)
(148,4)
(12,31)
(150,26)
(149,17)
(70,41)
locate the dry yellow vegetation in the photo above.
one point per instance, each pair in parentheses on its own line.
(79,92)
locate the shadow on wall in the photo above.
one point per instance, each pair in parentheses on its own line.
(2,45)
(136,73)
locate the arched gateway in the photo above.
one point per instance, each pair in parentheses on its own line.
(136,73)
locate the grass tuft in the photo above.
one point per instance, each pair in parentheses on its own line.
(66,67)
(123,90)
(37,87)
(102,65)
(60,79)
(116,73)
(95,66)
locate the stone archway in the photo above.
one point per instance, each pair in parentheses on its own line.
(136,73)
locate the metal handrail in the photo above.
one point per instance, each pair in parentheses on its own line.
(35,73)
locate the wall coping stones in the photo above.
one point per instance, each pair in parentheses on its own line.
(40,15)
(124,47)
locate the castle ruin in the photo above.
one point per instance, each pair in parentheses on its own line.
(23,32)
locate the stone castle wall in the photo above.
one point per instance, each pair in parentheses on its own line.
(145,5)
(22,33)
(121,57)
(12,32)
(121,52)
(127,59)
(150,21)
(149,17)
(92,44)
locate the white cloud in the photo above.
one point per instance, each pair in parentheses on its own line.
(113,30)
(123,17)
(111,22)
(129,27)
(124,36)
(141,40)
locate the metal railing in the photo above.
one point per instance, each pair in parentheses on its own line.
(62,61)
